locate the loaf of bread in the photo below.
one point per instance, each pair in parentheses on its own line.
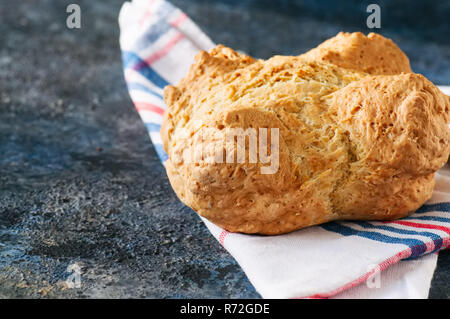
(354,132)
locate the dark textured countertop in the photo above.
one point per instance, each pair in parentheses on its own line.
(80,182)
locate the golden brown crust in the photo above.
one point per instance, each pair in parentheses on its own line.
(373,54)
(351,145)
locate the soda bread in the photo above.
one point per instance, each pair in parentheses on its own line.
(360,135)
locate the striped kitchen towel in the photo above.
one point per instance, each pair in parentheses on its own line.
(375,259)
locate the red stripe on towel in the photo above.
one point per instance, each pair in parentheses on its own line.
(420,225)
(143,106)
(222,237)
(159,54)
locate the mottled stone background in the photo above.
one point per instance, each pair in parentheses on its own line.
(79,179)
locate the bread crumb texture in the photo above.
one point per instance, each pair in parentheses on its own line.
(360,135)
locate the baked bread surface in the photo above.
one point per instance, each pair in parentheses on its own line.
(358,140)
(373,54)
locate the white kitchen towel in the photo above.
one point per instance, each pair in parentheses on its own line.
(337,259)
(405,279)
